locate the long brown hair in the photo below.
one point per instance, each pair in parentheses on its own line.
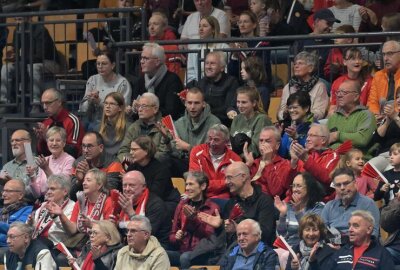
(120,122)
(253,95)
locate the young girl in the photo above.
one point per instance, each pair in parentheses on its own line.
(389,191)
(251,118)
(253,74)
(354,159)
(259,7)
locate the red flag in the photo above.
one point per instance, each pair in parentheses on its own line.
(371,171)
(114,194)
(344,147)
(279,244)
(236,212)
(182,94)
(64,250)
(169,124)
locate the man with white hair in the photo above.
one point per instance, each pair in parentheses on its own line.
(364,250)
(219,87)
(143,250)
(250,252)
(158,80)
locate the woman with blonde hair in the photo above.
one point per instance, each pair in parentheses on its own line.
(113,124)
(250,120)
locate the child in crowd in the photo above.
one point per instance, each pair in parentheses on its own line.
(259,7)
(389,191)
(354,160)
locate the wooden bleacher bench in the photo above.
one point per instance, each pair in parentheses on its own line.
(179,184)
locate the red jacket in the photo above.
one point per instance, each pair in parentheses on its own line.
(75,132)
(200,160)
(276,177)
(195,229)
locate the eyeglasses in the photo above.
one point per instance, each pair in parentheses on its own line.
(12,237)
(344,92)
(88,146)
(389,54)
(133,231)
(231,177)
(53,189)
(110,104)
(11,191)
(344,184)
(146,59)
(48,103)
(94,233)
(315,136)
(18,140)
(144,106)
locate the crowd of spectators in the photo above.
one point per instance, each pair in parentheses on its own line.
(100,185)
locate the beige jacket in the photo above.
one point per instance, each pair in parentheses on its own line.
(153,257)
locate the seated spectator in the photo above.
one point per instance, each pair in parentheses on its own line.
(250,120)
(390,223)
(191,129)
(337,212)
(92,204)
(273,173)
(351,121)
(148,108)
(25,252)
(208,29)
(158,80)
(242,205)
(93,156)
(316,158)
(143,250)
(248,27)
(187,229)
(388,191)
(157,174)
(212,158)
(312,251)
(136,199)
(101,251)
(250,252)
(263,13)
(14,209)
(159,30)
(390,23)
(218,87)
(357,70)
(386,134)
(59,162)
(53,105)
(41,55)
(363,249)
(385,81)
(205,8)
(113,124)
(296,122)
(253,74)
(306,79)
(100,85)
(306,195)
(354,160)
(347,12)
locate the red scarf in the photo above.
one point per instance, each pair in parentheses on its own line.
(88,263)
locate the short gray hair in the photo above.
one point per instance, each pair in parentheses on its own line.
(221,56)
(54,130)
(61,179)
(255,226)
(221,128)
(153,98)
(323,129)
(101,178)
(156,50)
(366,215)
(276,132)
(144,222)
(22,227)
(309,58)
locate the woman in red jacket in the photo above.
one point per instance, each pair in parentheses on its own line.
(187,228)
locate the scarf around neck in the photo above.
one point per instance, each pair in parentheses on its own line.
(151,83)
(305,255)
(303,86)
(6,211)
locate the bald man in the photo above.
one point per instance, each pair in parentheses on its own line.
(136,199)
(15,209)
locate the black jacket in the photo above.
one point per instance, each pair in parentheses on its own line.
(323,256)
(29,258)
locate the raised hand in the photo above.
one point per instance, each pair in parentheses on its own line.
(248,156)
(212,220)
(54,209)
(299,151)
(126,204)
(179,235)
(266,151)
(42,162)
(280,205)
(81,169)
(313,252)
(189,211)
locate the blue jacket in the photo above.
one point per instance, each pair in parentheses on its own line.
(375,257)
(265,258)
(20,215)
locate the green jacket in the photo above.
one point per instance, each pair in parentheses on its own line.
(193,134)
(251,127)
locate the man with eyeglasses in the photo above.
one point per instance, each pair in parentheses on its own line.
(386,81)
(351,121)
(94,156)
(337,212)
(53,105)
(15,209)
(143,250)
(158,80)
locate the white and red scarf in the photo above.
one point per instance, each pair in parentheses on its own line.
(96,211)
